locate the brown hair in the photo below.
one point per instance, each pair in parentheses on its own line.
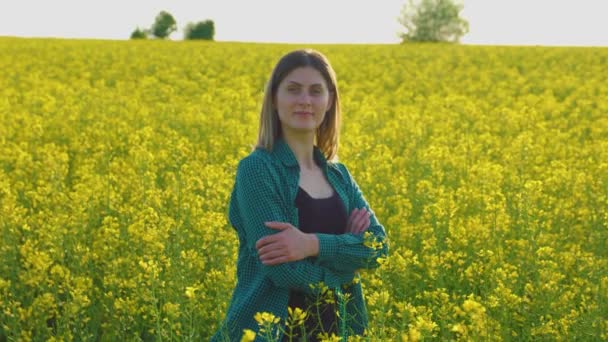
(328,134)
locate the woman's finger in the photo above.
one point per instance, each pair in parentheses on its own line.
(268,248)
(366,221)
(277,225)
(358,221)
(267,240)
(271,254)
(273,237)
(365,225)
(361,226)
(275,261)
(353,220)
(363,222)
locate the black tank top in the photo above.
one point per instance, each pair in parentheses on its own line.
(318,215)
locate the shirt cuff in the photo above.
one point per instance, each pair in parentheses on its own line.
(328,247)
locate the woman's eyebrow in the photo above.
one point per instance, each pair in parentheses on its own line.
(299,84)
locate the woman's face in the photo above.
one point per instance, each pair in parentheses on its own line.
(302,99)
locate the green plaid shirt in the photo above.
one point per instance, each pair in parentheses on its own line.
(265,190)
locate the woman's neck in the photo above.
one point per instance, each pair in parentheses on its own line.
(302,147)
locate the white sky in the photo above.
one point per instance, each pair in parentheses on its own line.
(511,22)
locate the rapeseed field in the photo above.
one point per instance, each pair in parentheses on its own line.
(488,167)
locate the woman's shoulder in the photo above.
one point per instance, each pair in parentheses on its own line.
(258,162)
(255,155)
(340,169)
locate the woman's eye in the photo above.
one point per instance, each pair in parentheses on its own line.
(292,90)
(316,91)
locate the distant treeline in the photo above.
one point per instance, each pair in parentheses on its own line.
(165,24)
(422,21)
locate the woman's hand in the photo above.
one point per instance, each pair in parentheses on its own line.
(358,221)
(289,245)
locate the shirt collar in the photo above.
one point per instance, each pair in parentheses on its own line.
(282,151)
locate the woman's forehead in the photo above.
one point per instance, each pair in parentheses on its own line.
(306,76)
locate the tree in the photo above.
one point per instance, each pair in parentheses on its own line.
(433,21)
(164,25)
(201,30)
(139,34)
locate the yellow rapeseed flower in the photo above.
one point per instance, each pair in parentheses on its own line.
(266,318)
(296,316)
(191,292)
(325,337)
(248,335)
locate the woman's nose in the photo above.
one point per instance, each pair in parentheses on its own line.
(304,98)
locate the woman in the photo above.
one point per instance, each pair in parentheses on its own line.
(289,207)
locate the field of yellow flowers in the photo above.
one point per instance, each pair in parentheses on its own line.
(488,167)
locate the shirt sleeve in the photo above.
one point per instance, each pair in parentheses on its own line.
(259,201)
(350,252)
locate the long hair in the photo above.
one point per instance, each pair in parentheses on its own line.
(328,133)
